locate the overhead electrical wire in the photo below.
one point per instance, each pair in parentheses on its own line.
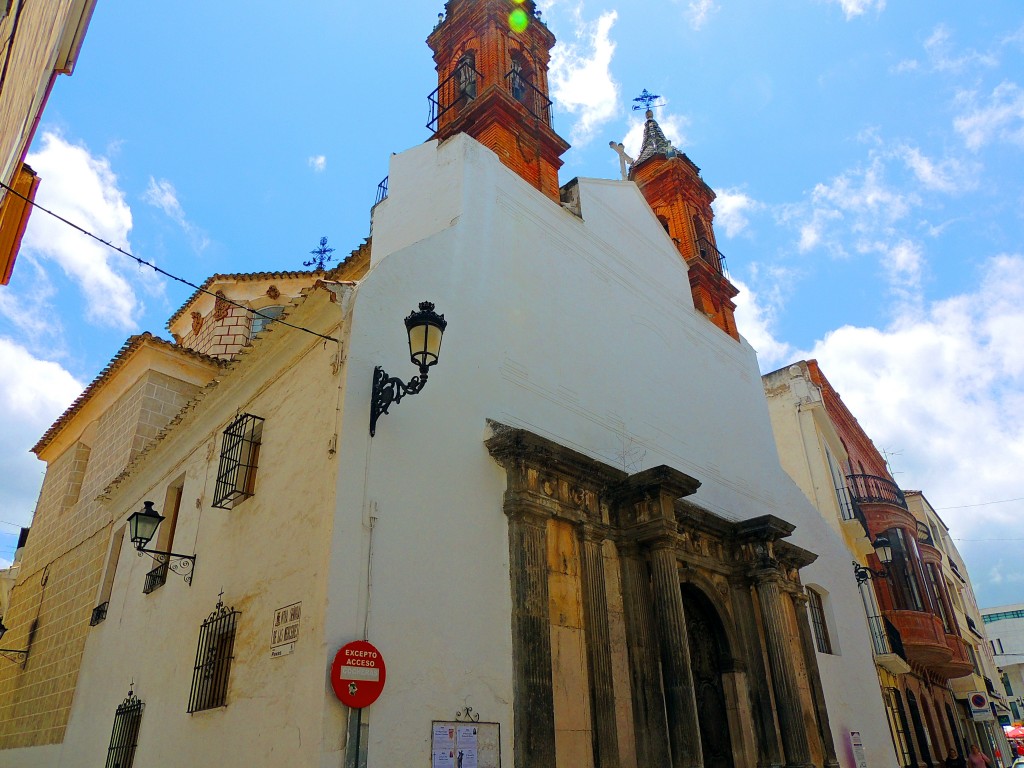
(143,263)
(982,504)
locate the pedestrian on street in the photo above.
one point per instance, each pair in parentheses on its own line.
(978,759)
(954,759)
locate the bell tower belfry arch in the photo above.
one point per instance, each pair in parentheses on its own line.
(492,61)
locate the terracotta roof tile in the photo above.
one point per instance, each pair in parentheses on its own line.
(347,262)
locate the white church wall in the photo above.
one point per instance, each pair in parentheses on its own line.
(580,331)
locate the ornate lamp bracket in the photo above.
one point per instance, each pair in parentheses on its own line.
(864,574)
(390,389)
(16,656)
(183,565)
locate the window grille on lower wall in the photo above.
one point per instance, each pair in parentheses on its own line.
(213,659)
(125,735)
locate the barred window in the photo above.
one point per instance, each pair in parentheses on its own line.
(239,455)
(213,659)
(821,638)
(125,736)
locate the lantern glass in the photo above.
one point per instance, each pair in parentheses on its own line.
(143,524)
(883,550)
(425,328)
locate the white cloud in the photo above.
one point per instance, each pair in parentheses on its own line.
(318,163)
(944,383)
(162,194)
(756,320)
(33,393)
(949,175)
(580,75)
(83,189)
(940,53)
(853,8)
(699,11)
(731,207)
(1000,116)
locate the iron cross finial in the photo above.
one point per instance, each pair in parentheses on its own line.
(322,256)
(645,100)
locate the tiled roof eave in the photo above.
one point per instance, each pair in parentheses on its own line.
(128,349)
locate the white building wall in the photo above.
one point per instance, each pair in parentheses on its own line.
(267,552)
(582,331)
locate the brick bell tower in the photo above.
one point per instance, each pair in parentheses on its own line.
(492,72)
(672,185)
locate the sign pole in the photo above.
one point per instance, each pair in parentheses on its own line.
(355,717)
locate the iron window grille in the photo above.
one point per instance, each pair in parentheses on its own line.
(125,735)
(239,455)
(821,638)
(155,579)
(99,613)
(213,659)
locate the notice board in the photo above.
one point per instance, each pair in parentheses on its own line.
(456,744)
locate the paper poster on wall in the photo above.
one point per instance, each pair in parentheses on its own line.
(465,745)
(859,758)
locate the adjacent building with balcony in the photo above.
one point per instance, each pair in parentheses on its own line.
(41,40)
(1004,642)
(901,564)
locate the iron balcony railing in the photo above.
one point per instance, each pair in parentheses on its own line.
(879,637)
(709,254)
(895,641)
(531,97)
(848,509)
(460,87)
(382,191)
(155,579)
(873,489)
(99,613)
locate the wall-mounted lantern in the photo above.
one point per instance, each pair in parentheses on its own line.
(425,329)
(142,527)
(884,552)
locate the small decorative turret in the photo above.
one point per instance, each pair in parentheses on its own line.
(672,185)
(492,71)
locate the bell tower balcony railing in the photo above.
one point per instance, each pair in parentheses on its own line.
(710,255)
(530,96)
(460,87)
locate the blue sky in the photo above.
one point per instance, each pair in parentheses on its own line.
(868,159)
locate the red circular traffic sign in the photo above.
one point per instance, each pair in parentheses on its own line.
(358,674)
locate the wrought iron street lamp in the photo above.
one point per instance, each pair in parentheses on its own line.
(884,552)
(425,328)
(142,527)
(10,653)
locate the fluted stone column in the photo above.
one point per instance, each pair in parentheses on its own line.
(599,656)
(787,697)
(651,737)
(814,676)
(680,702)
(534,721)
(769,746)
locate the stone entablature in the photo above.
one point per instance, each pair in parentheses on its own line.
(609,573)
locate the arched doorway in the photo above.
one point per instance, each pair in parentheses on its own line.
(709,658)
